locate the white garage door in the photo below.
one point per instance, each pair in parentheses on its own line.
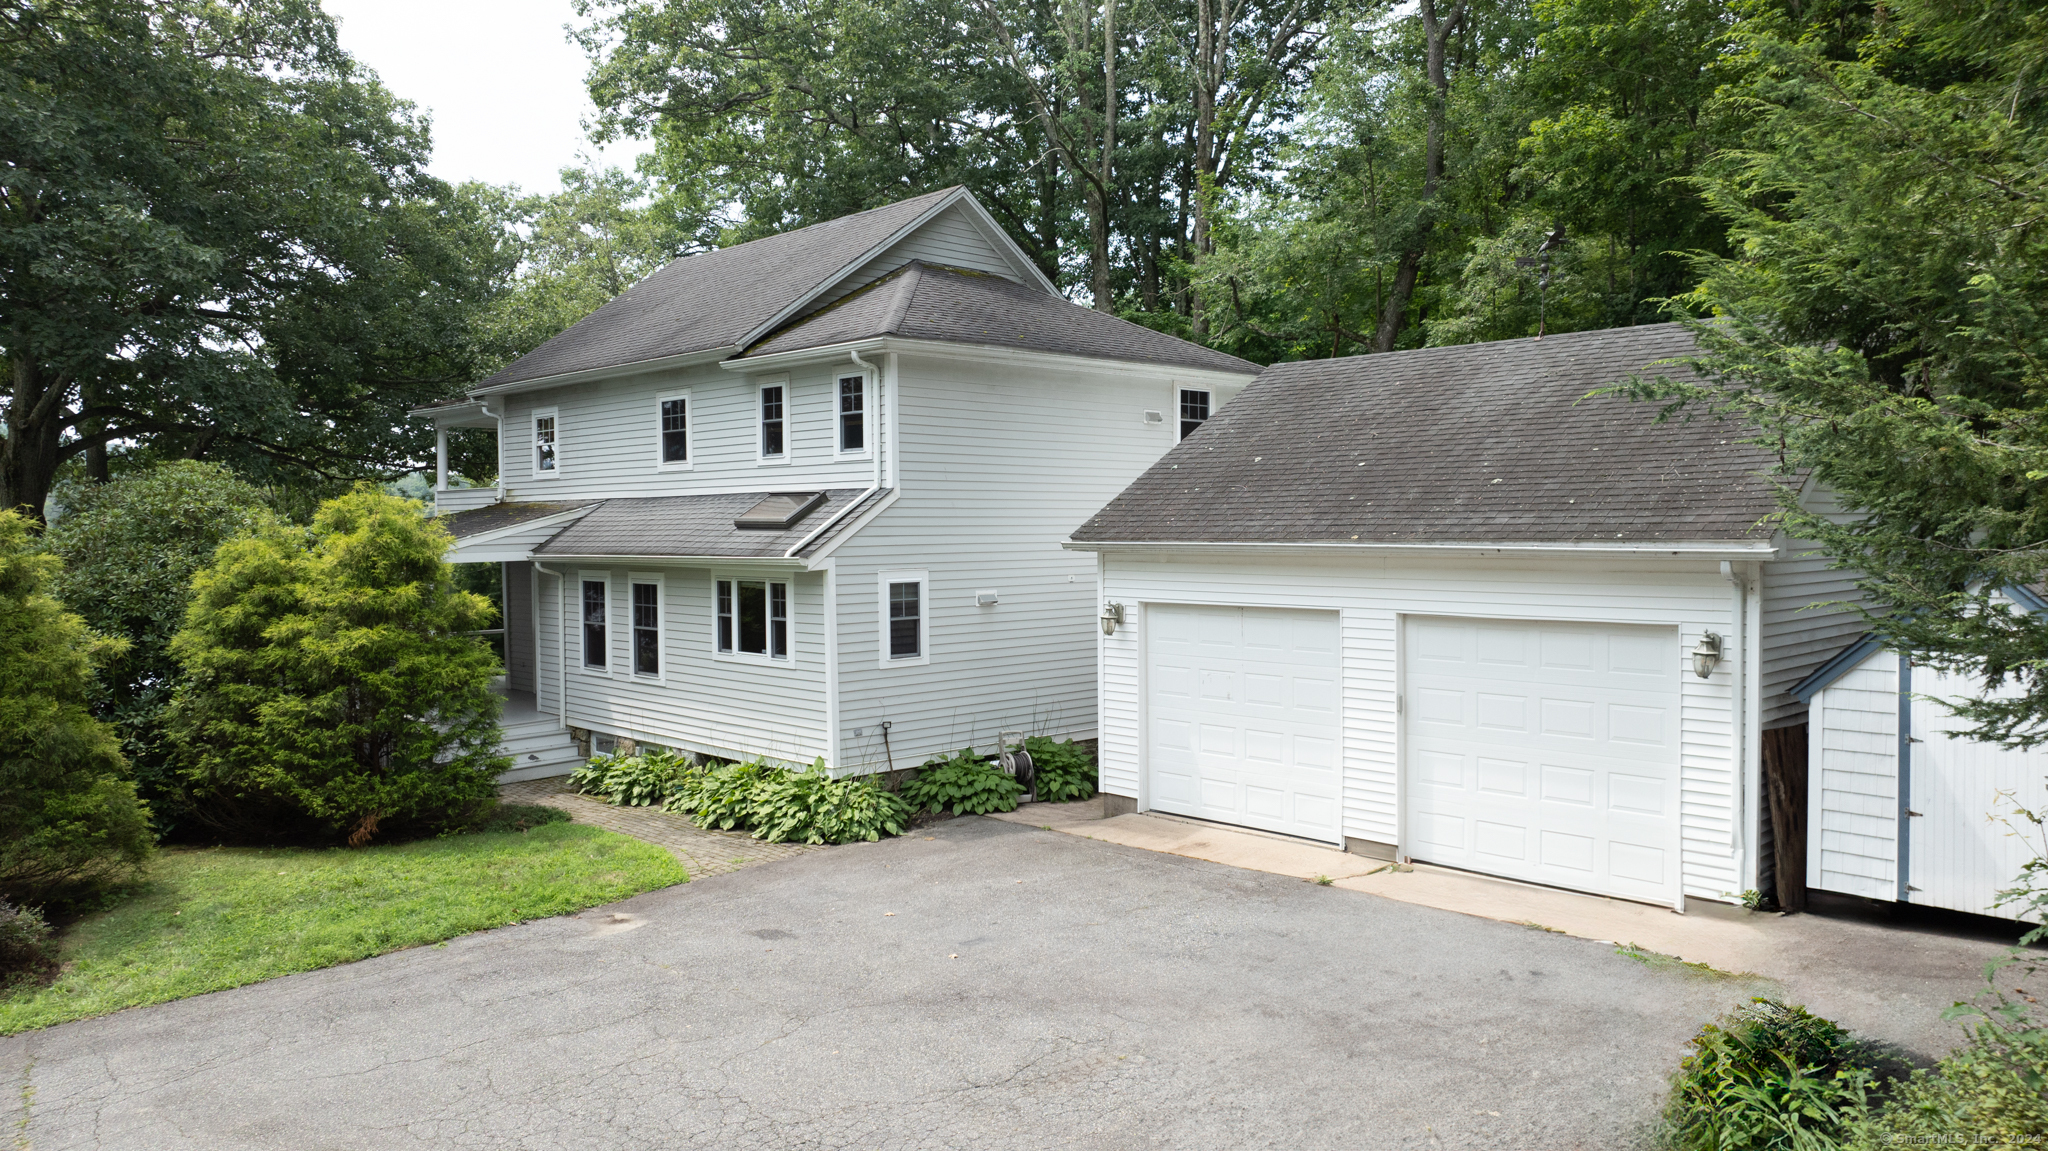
(1243,717)
(1546,752)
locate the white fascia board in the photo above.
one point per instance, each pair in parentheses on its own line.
(846,531)
(1008,246)
(982,353)
(464,415)
(684,360)
(749,563)
(829,282)
(1707,550)
(548,521)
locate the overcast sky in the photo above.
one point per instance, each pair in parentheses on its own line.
(501,78)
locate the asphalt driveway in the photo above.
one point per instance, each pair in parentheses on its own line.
(985,986)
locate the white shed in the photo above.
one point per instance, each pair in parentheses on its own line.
(1900,808)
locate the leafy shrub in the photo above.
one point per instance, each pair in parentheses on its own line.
(1995,1086)
(70,823)
(519,817)
(812,807)
(130,548)
(719,795)
(1768,1077)
(641,780)
(330,682)
(24,945)
(1061,771)
(964,783)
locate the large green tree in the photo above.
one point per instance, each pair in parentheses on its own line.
(218,239)
(1883,319)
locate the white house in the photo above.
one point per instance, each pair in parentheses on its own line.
(1901,808)
(1443,605)
(804,497)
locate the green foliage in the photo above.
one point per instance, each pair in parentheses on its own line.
(641,780)
(220,237)
(1768,1077)
(130,549)
(965,783)
(519,817)
(810,806)
(70,823)
(24,945)
(1994,1086)
(329,683)
(1883,323)
(223,917)
(1060,771)
(720,795)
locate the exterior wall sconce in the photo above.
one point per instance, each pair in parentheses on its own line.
(1706,655)
(1112,615)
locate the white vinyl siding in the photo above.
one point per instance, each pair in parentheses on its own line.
(949,239)
(1852,793)
(999,463)
(1802,630)
(1373,594)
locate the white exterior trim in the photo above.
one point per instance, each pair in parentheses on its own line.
(1197,550)
(1173,410)
(787,660)
(761,456)
(637,367)
(611,611)
(867,416)
(554,417)
(661,636)
(986,353)
(923,580)
(689,461)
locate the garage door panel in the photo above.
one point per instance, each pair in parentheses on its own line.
(1545,752)
(1264,718)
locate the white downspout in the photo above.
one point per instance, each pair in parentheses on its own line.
(484,406)
(874,451)
(1738,721)
(440,458)
(561,636)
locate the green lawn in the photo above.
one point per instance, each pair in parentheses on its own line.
(212,918)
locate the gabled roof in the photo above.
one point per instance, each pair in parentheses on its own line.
(697,526)
(1480,443)
(923,302)
(720,299)
(2029,598)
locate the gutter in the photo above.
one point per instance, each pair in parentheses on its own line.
(874,452)
(561,638)
(1694,550)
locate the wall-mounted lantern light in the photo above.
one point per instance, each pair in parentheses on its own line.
(1706,655)
(1112,615)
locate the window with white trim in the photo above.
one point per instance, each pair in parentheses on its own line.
(774,422)
(1194,410)
(646,592)
(546,450)
(673,414)
(594,624)
(853,402)
(753,618)
(905,617)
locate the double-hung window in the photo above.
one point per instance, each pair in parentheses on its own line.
(853,414)
(905,618)
(675,430)
(753,618)
(546,454)
(1194,410)
(774,423)
(594,624)
(646,626)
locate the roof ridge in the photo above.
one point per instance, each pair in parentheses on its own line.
(913,275)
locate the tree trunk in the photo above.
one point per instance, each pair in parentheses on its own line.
(1098,216)
(1395,313)
(1206,81)
(30,454)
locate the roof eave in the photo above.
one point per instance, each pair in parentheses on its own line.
(1689,549)
(778,563)
(984,352)
(634,367)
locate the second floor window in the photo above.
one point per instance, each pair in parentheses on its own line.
(675,431)
(771,422)
(753,618)
(593,623)
(852,411)
(1194,410)
(543,445)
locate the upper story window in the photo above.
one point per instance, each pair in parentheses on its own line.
(646,626)
(1194,410)
(853,413)
(675,430)
(545,453)
(753,618)
(905,617)
(773,423)
(593,623)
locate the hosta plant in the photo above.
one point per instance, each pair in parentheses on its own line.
(1061,771)
(812,807)
(641,780)
(965,783)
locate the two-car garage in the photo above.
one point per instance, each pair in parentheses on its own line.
(1536,750)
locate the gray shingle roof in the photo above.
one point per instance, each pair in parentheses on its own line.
(692,526)
(922,302)
(1482,443)
(716,299)
(491,517)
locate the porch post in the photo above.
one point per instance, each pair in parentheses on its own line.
(440,458)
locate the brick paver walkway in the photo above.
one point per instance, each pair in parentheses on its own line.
(702,853)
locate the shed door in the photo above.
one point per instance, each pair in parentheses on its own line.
(1545,752)
(1243,717)
(1962,851)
